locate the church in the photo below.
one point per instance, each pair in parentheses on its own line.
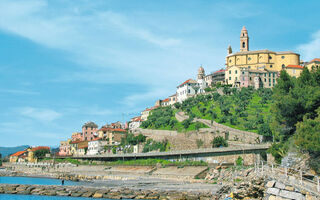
(259,68)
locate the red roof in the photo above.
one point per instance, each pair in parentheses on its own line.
(83,147)
(221,70)
(295,66)
(111,129)
(76,142)
(165,100)
(19,153)
(136,119)
(187,81)
(148,109)
(95,139)
(39,148)
(315,60)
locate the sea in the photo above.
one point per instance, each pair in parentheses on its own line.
(38,181)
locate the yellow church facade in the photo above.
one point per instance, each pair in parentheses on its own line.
(269,63)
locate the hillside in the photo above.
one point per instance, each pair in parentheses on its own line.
(5,151)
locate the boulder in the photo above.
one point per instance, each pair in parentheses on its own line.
(280,185)
(98,195)
(270,184)
(291,195)
(273,191)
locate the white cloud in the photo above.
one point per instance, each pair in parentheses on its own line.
(311,49)
(18,92)
(45,115)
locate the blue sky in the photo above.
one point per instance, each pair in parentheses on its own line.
(63,63)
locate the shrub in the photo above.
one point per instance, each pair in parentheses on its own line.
(239,161)
(199,143)
(219,142)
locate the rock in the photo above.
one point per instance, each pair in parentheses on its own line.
(270,184)
(97,195)
(291,195)
(289,188)
(138,197)
(273,191)
(280,185)
(309,197)
(76,194)
(87,194)
(62,193)
(271,197)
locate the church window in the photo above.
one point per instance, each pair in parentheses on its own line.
(243,44)
(270,66)
(282,57)
(283,66)
(230,60)
(270,57)
(249,58)
(249,67)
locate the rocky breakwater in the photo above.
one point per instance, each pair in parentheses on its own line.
(278,191)
(110,193)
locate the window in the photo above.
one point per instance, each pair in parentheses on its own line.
(274,74)
(230,78)
(249,58)
(283,66)
(236,78)
(265,80)
(243,44)
(250,78)
(230,60)
(274,80)
(229,71)
(189,91)
(236,71)
(242,72)
(249,67)
(293,71)
(270,66)
(269,74)
(243,78)
(270,57)
(269,80)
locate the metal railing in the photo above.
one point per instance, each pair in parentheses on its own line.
(290,176)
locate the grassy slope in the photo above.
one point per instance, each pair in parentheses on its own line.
(251,110)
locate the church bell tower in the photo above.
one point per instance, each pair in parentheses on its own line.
(244,40)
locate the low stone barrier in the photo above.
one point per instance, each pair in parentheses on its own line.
(119,193)
(276,190)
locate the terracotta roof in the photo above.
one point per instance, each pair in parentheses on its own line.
(136,119)
(111,129)
(295,66)
(315,60)
(165,100)
(95,139)
(83,147)
(19,153)
(221,70)
(76,142)
(39,148)
(187,81)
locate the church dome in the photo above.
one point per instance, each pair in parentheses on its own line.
(201,70)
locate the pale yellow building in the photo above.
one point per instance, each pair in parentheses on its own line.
(265,60)
(313,64)
(294,70)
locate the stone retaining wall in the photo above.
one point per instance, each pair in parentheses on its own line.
(82,191)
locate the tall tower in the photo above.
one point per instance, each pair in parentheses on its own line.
(201,73)
(244,40)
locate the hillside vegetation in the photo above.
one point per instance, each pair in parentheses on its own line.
(288,114)
(163,118)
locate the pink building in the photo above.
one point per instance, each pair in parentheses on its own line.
(89,130)
(65,148)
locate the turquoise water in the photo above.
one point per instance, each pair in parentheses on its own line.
(35,181)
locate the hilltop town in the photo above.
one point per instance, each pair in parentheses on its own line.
(256,70)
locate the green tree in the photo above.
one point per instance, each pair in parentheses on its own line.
(41,153)
(186,123)
(219,142)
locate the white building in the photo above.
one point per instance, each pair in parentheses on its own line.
(201,80)
(135,123)
(186,90)
(96,146)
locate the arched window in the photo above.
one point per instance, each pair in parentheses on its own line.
(243,44)
(283,66)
